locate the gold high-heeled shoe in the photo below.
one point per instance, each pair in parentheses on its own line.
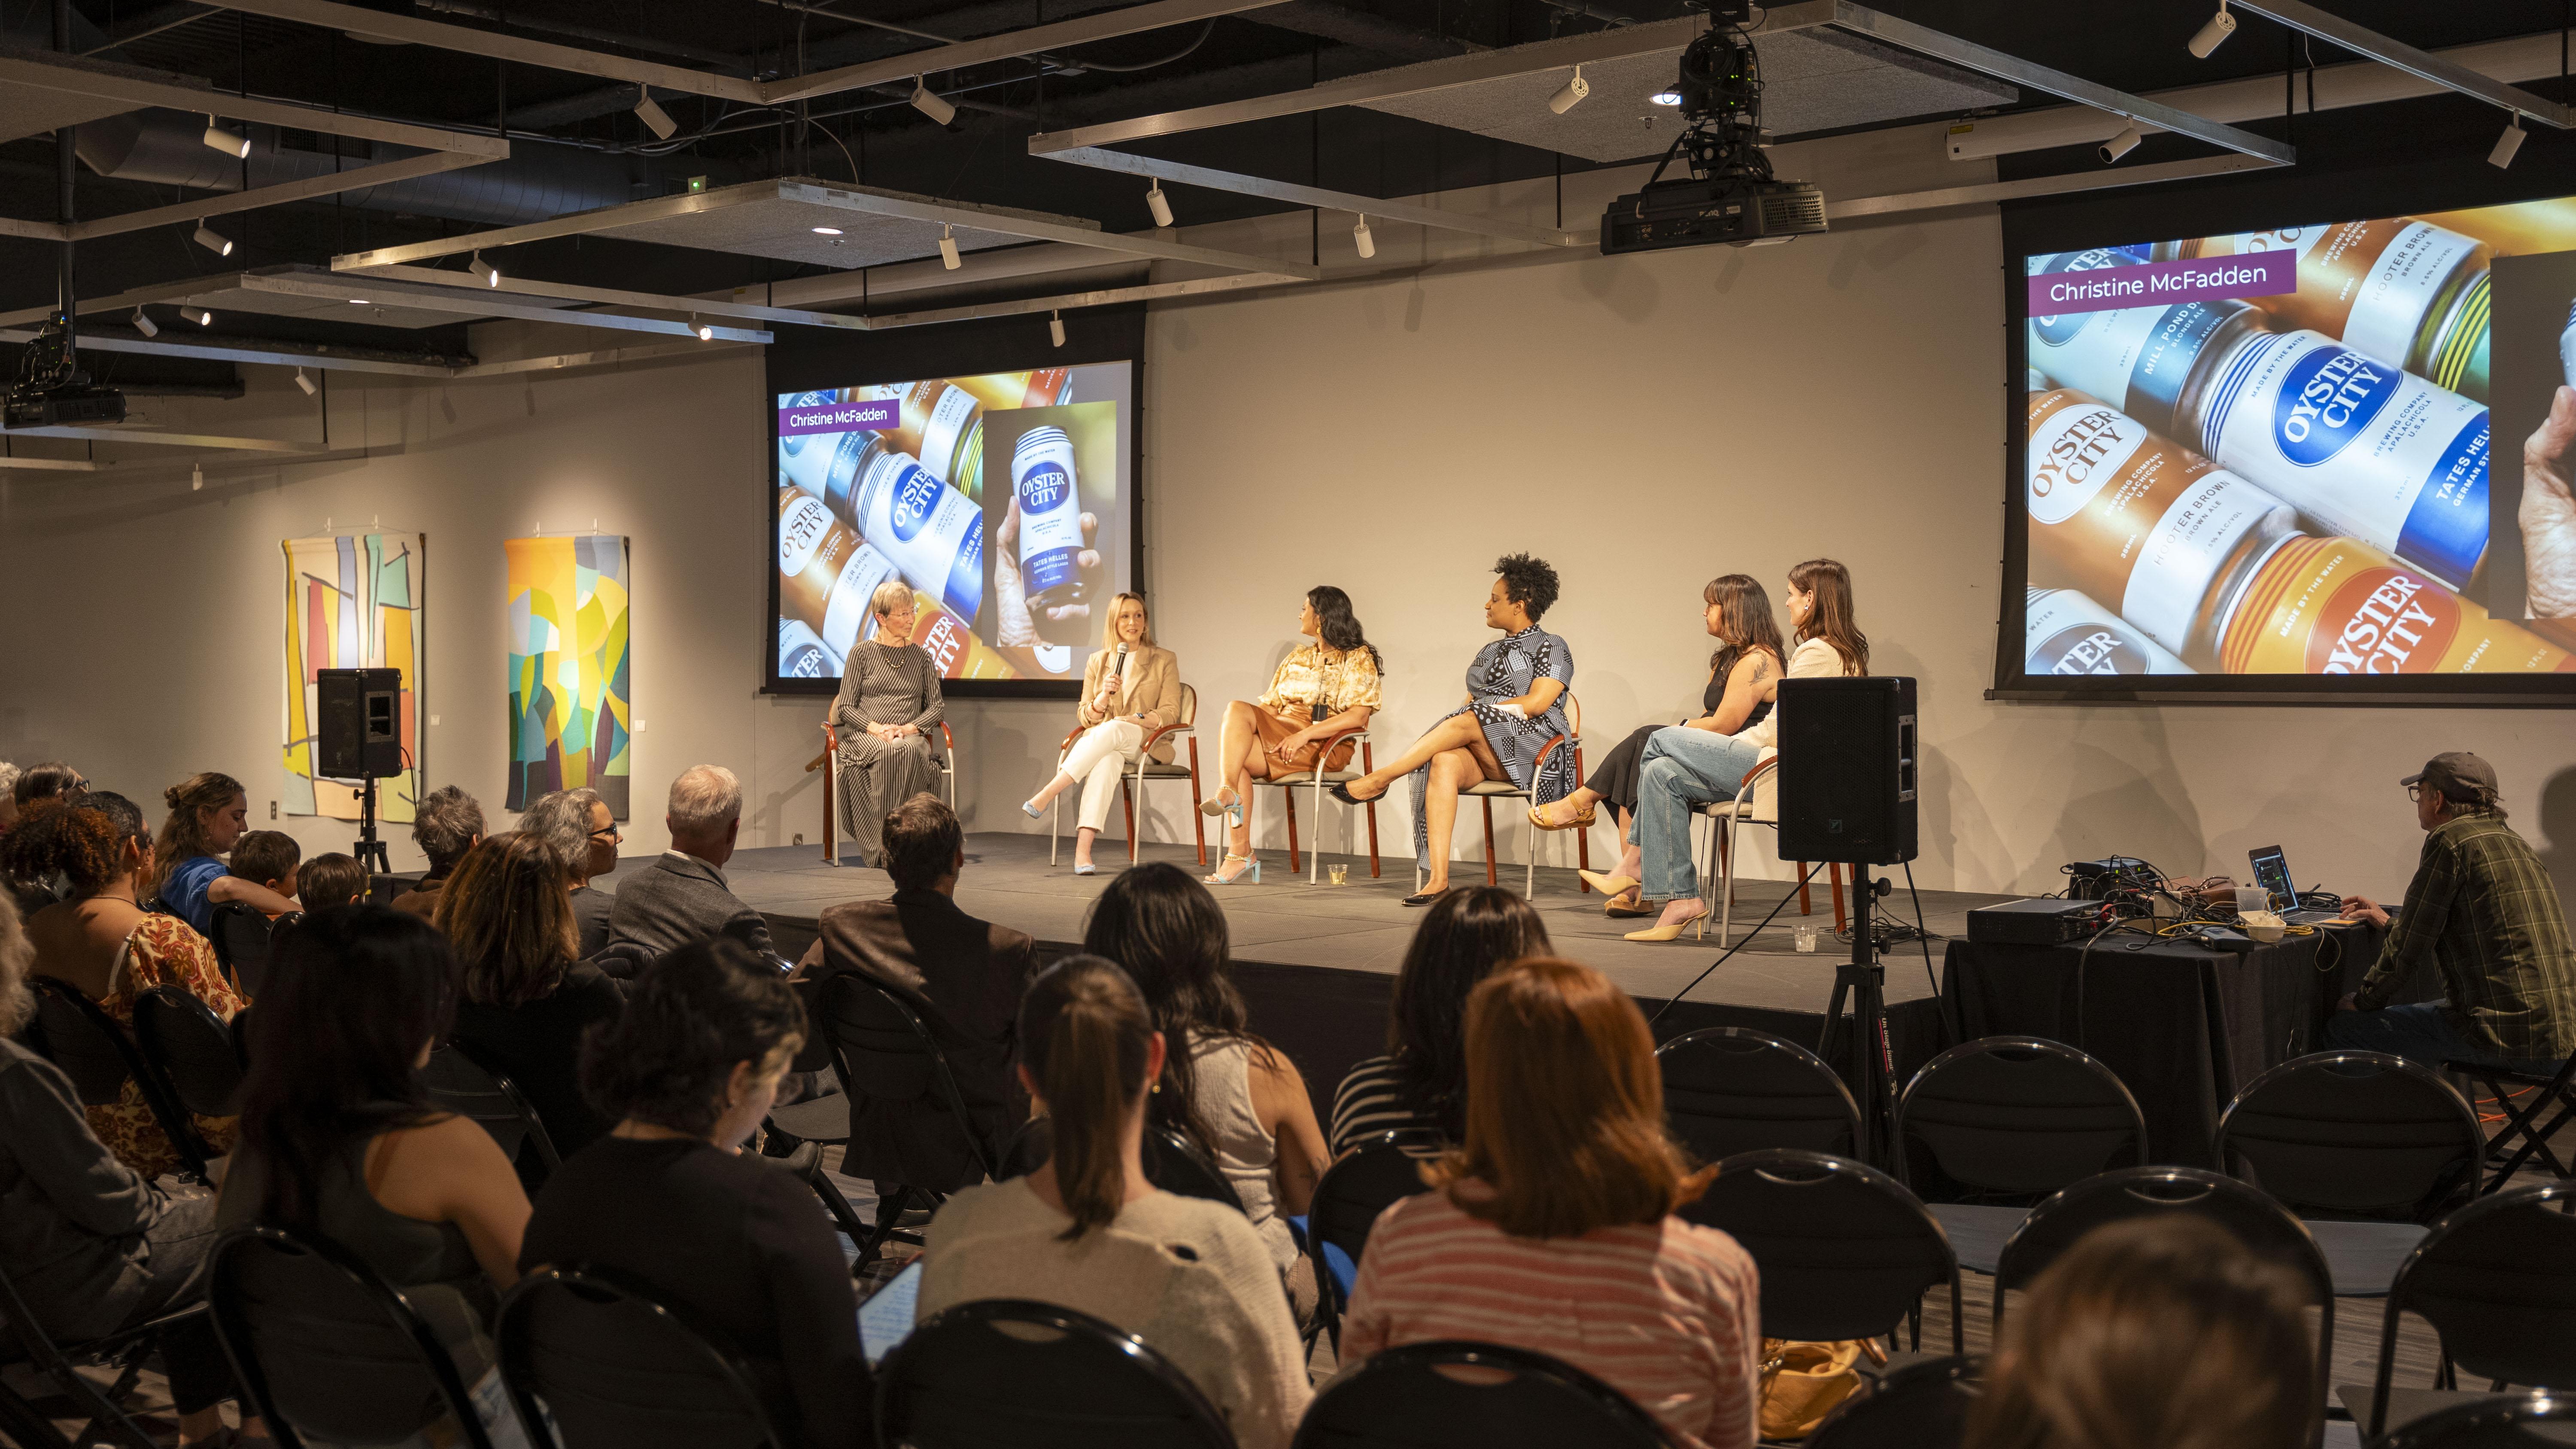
(1698,925)
(1578,822)
(1608,885)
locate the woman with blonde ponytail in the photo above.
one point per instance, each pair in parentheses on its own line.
(208,812)
(1088,1231)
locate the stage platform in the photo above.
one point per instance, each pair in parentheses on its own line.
(1317,962)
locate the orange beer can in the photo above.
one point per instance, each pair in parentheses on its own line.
(2340,606)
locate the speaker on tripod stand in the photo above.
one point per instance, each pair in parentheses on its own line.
(1847,793)
(357,719)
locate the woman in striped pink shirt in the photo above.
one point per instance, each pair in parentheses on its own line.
(1553,1228)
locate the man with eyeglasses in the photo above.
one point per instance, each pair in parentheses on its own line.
(2484,910)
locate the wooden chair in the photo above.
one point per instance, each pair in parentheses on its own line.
(826,762)
(1131,783)
(1317,779)
(1756,802)
(1486,792)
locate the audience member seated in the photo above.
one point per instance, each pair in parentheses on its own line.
(339,1139)
(1552,1228)
(445,826)
(963,975)
(208,813)
(268,858)
(90,1246)
(684,897)
(1240,1099)
(9,774)
(330,879)
(112,950)
(577,823)
(669,1198)
(523,1000)
(1420,1085)
(24,789)
(2155,1333)
(1087,1231)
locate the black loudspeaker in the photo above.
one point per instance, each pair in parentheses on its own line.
(357,724)
(1847,769)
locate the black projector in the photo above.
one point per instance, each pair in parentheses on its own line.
(2034,923)
(66,407)
(1693,213)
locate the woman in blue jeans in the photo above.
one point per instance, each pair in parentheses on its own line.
(1685,767)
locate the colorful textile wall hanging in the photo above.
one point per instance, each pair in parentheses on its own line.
(571,716)
(353,601)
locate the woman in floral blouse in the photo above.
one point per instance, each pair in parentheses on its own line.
(101,942)
(1321,690)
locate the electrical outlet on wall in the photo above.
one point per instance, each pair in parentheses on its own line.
(433,719)
(641,727)
(800,838)
(272,810)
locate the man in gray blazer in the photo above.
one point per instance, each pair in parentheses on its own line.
(683,897)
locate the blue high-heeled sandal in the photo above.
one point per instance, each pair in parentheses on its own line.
(1253,861)
(1030,809)
(1233,813)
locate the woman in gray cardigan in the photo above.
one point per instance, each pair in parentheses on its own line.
(1131,688)
(884,715)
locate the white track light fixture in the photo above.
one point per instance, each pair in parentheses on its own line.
(2121,144)
(1156,203)
(928,102)
(144,324)
(198,315)
(231,143)
(213,240)
(1573,92)
(705,332)
(2507,144)
(196,476)
(490,274)
(1055,327)
(655,119)
(304,382)
(948,249)
(2214,34)
(1361,238)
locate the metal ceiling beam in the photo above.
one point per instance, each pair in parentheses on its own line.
(1101,25)
(2422,64)
(480,302)
(1854,208)
(1154,292)
(611,297)
(225,203)
(603,357)
(1137,244)
(160,439)
(221,348)
(23,68)
(1320,198)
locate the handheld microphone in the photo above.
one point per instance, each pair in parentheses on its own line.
(1118,666)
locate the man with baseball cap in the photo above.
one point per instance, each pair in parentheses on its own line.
(2487,914)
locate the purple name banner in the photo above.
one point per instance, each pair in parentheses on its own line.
(2159,284)
(840,417)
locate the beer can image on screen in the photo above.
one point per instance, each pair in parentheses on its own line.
(934,534)
(1042,477)
(2340,606)
(942,427)
(1045,388)
(953,648)
(2067,633)
(2359,446)
(2412,294)
(2149,362)
(2139,520)
(801,654)
(826,573)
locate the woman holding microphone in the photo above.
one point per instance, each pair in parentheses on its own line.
(1131,687)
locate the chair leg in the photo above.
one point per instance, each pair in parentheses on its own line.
(1127,797)
(1489,841)
(1806,907)
(1583,856)
(1055,829)
(831,810)
(1529,855)
(1290,796)
(1834,873)
(1368,761)
(1315,857)
(1198,821)
(1726,858)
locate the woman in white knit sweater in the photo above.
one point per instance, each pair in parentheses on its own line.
(1087,1231)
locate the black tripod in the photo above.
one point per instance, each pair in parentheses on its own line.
(370,851)
(1865,981)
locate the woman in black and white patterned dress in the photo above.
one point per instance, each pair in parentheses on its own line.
(1515,706)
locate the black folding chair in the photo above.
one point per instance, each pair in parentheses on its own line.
(822,1120)
(1471,1396)
(619,1367)
(2497,1280)
(469,1088)
(1004,1371)
(1844,1249)
(2015,1117)
(2518,1141)
(24,1340)
(1730,1089)
(241,937)
(2355,1134)
(2265,1227)
(883,1051)
(1171,1161)
(325,1347)
(99,1055)
(1922,1405)
(194,1051)
(1348,1198)
(2492,1424)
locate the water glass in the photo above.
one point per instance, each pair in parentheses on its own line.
(1804,936)
(1341,874)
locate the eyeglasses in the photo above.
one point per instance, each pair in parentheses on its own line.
(606,832)
(2415,794)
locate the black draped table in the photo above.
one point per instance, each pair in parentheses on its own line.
(2186,1027)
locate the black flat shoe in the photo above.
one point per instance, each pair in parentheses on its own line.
(1341,790)
(1424,898)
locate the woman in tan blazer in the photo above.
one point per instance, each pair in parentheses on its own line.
(1119,708)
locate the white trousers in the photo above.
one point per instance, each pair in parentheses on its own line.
(1097,759)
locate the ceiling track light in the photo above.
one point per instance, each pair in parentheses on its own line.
(1156,203)
(929,102)
(196,476)
(705,332)
(1055,327)
(1361,237)
(144,324)
(213,240)
(948,248)
(2507,144)
(305,383)
(231,143)
(2121,144)
(198,315)
(1572,94)
(490,274)
(655,119)
(2214,33)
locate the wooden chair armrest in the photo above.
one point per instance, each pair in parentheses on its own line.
(831,744)
(1764,766)
(1070,736)
(1156,736)
(1540,763)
